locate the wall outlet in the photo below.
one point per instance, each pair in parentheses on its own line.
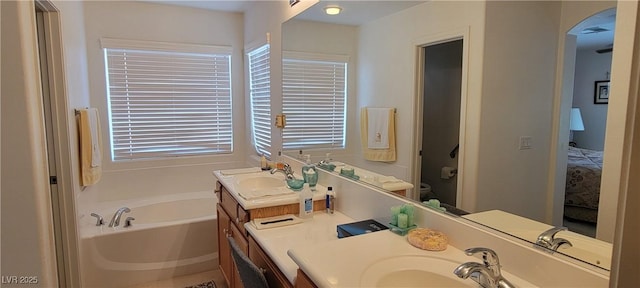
(525,142)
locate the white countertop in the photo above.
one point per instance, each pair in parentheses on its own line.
(313,246)
(231,183)
(591,250)
(389,183)
(303,236)
(342,263)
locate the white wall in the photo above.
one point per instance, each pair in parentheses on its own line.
(387,64)
(27,239)
(517,100)
(77,91)
(27,231)
(590,67)
(165,23)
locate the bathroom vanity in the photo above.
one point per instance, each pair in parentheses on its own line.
(234,211)
(309,254)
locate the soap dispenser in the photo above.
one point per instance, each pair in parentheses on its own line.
(264,165)
(306,202)
(309,173)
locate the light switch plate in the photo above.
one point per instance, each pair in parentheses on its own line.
(525,142)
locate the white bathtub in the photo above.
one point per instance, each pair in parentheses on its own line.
(171,236)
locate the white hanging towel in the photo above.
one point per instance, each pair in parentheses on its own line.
(378,128)
(385,138)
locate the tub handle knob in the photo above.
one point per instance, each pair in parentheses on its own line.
(99,220)
(127,222)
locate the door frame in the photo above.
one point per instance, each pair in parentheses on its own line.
(416,165)
(58,117)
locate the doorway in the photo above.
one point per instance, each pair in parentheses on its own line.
(441,105)
(57,131)
(591,44)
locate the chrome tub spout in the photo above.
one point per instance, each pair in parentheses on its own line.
(115,221)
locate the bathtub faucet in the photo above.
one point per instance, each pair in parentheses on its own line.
(115,221)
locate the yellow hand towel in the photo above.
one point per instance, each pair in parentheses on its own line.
(381,155)
(90,146)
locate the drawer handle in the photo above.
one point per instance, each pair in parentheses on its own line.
(226,232)
(262,270)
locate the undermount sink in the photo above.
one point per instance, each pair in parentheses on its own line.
(260,182)
(413,271)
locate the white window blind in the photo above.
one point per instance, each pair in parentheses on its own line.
(165,103)
(260,90)
(314,100)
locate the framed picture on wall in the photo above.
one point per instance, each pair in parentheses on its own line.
(601,92)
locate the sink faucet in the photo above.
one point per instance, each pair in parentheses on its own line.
(547,239)
(487,274)
(286,170)
(115,221)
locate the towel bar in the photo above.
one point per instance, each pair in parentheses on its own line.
(77,111)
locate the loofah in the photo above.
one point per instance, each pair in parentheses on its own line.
(428,239)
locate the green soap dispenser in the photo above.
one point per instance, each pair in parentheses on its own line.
(309,173)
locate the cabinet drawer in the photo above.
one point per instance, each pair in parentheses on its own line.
(238,215)
(274,276)
(242,217)
(229,204)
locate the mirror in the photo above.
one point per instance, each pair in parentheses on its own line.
(508,97)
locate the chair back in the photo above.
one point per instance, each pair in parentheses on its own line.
(250,274)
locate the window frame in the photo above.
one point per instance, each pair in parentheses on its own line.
(324,59)
(261,135)
(225,119)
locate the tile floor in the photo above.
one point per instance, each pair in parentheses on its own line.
(187,280)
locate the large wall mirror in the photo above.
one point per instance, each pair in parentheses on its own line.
(503,122)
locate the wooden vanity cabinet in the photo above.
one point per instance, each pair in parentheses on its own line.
(274,276)
(224,250)
(227,228)
(303,281)
(400,192)
(231,220)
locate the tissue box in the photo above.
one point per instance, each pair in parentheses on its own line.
(361,227)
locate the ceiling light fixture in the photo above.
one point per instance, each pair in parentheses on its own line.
(332,10)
